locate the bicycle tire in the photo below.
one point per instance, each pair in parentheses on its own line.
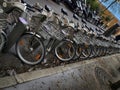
(30,49)
(96,51)
(78,52)
(101,51)
(86,52)
(2,41)
(105,51)
(62,46)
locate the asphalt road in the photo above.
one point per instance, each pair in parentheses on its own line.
(57,9)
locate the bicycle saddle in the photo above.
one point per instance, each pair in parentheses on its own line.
(86,26)
(83,21)
(75,16)
(48,8)
(64,12)
(92,29)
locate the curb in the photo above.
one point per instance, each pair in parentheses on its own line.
(28,76)
(7,81)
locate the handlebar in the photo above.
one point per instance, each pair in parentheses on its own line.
(28,5)
(30,9)
(75,17)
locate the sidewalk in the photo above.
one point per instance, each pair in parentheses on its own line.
(95,74)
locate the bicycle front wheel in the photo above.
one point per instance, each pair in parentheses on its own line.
(30,49)
(65,51)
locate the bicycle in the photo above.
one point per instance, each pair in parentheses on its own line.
(46,37)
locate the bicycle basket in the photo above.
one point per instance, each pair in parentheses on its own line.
(3,21)
(53,21)
(43,32)
(36,22)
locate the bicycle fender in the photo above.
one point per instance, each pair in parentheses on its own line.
(2,32)
(69,40)
(33,33)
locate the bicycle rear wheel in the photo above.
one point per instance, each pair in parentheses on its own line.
(65,50)
(2,41)
(78,52)
(86,52)
(95,51)
(30,49)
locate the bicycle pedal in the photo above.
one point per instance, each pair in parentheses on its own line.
(48,49)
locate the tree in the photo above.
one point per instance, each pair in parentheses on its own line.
(107,19)
(94,4)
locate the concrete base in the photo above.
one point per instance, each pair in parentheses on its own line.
(94,74)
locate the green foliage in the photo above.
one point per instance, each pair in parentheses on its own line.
(108,18)
(94,4)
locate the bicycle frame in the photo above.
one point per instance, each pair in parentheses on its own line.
(50,45)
